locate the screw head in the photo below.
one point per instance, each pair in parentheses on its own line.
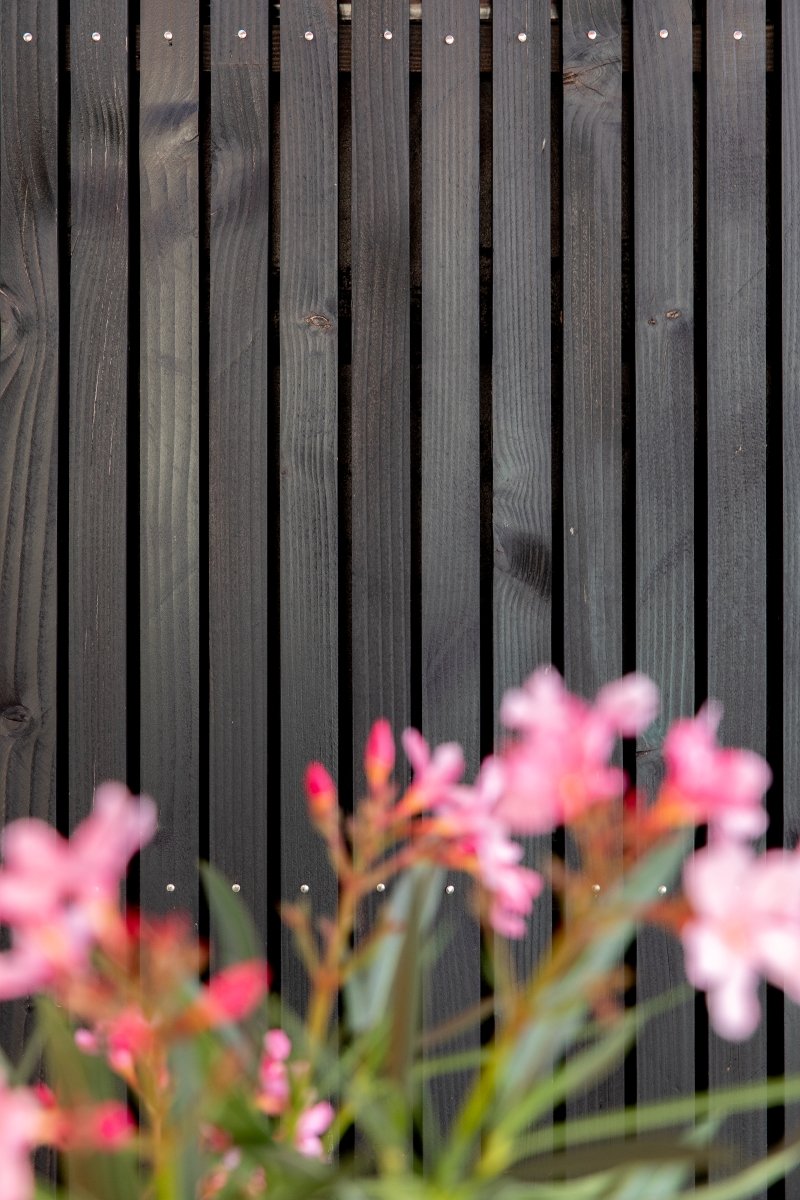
(450,889)
(595,888)
(304,888)
(242,33)
(449,39)
(522,36)
(663,33)
(387,35)
(167,35)
(236,887)
(591,34)
(27,37)
(662,889)
(95,37)
(380,887)
(170,887)
(308,35)
(737,35)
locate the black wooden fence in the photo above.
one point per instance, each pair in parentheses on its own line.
(354,365)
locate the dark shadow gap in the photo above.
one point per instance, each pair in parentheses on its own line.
(62,797)
(415,398)
(204,367)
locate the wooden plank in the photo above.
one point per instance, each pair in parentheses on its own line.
(29,327)
(451,450)
(592,437)
(98,399)
(790,317)
(736,384)
(664,325)
(169,429)
(380,408)
(521,417)
(308,447)
(238,603)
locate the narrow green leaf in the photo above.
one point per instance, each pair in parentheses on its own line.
(753,1180)
(234,935)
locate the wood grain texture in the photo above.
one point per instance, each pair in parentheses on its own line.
(736,389)
(170,429)
(592,432)
(309,448)
(98,399)
(451,450)
(790,316)
(380,406)
(239,607)
(664,351)
(521,415)
(29,329)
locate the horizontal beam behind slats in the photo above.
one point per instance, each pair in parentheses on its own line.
(415,48)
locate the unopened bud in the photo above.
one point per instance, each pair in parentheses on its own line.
(379,755)
(321,792)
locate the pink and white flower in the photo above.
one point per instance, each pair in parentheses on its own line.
(21,1117)
(311,1123)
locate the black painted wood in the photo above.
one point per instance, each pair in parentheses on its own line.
(309,613)
(98,464)
(451,449)
(521,384)
(29,328)
(664,352)
(170,440)
(736,422)
(380,406)
(592,432)
(239,604)
(790,320)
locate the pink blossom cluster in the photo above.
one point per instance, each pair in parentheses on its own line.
(278,1076)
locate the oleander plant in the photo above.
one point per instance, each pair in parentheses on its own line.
(175,1072)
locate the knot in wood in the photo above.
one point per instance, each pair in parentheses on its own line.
(319,321)
(14,720)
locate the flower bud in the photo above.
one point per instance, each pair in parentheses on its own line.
(379,755)
(321,793)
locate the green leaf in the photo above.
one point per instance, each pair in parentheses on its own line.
(235,937)
(753,1180)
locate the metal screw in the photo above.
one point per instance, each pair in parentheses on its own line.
(27,37)
(380,887)
(449,889)
(167,35)
(522,36)
(662,889)
(663,33)
(449,39)
(170,887)
(308,35)
(242,33)
(388,35)
(95,37)
(304,888)
(236,887)
(737,35)
(595,888)
(591,34)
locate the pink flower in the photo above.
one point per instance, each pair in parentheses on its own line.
(707,784)
(59,896)
(745,924)
(275,1093)
(21,1130)
(230,995)
(321,792)
(559,767)
(379,755)
(311,1123)
(433,773)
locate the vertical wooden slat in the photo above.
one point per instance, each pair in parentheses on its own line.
(98,398)
(790,317)
(664,325)
(592,445)
(239,607)
(380,435)
(451,444)
(29,324)
(170,428)
(308,449)
(521,418)
(736,221)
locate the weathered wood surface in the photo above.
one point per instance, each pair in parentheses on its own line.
(29,420)
(592,428)
(665,502)
(736,429)
(521,374)
(309,612)
(451,684)
(240,606)
(790,329)
(169,447)
(98,376)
